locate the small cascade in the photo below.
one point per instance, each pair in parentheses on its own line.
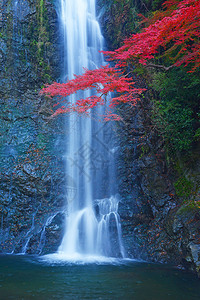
(42,236)
(1,228)
(107,213)
(89,231)
(19,7)
(24,249)
(16,27)
(29,234)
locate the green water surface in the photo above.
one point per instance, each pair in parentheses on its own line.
(27,277)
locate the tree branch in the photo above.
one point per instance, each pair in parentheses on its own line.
(150,65)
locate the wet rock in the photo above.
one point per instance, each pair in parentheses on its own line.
(195,253)
(156,224)
(32,180)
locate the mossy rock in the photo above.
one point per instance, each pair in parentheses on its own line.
(189,208)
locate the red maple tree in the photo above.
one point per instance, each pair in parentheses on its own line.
(176,35)
(104,81)
(173,33)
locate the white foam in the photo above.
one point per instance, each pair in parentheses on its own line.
(80,259)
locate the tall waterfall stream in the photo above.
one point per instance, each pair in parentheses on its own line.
(92,227)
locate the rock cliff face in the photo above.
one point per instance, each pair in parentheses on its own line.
(31,146)
(158,225)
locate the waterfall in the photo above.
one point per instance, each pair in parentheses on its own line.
(92,223)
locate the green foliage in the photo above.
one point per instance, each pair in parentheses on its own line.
(176,124)
(176,111)
(156,4)
(197,134)
(40,41)
(183,187)
(149,5)
(189,207)
(144,150)
(121,20)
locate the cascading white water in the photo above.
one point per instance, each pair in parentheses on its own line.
(90,223)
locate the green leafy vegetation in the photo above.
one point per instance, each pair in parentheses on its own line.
(176,111)
(183,187)
(40,41)
(189,207)
(122,20)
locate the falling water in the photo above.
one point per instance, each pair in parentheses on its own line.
(29,234)
(92,226)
